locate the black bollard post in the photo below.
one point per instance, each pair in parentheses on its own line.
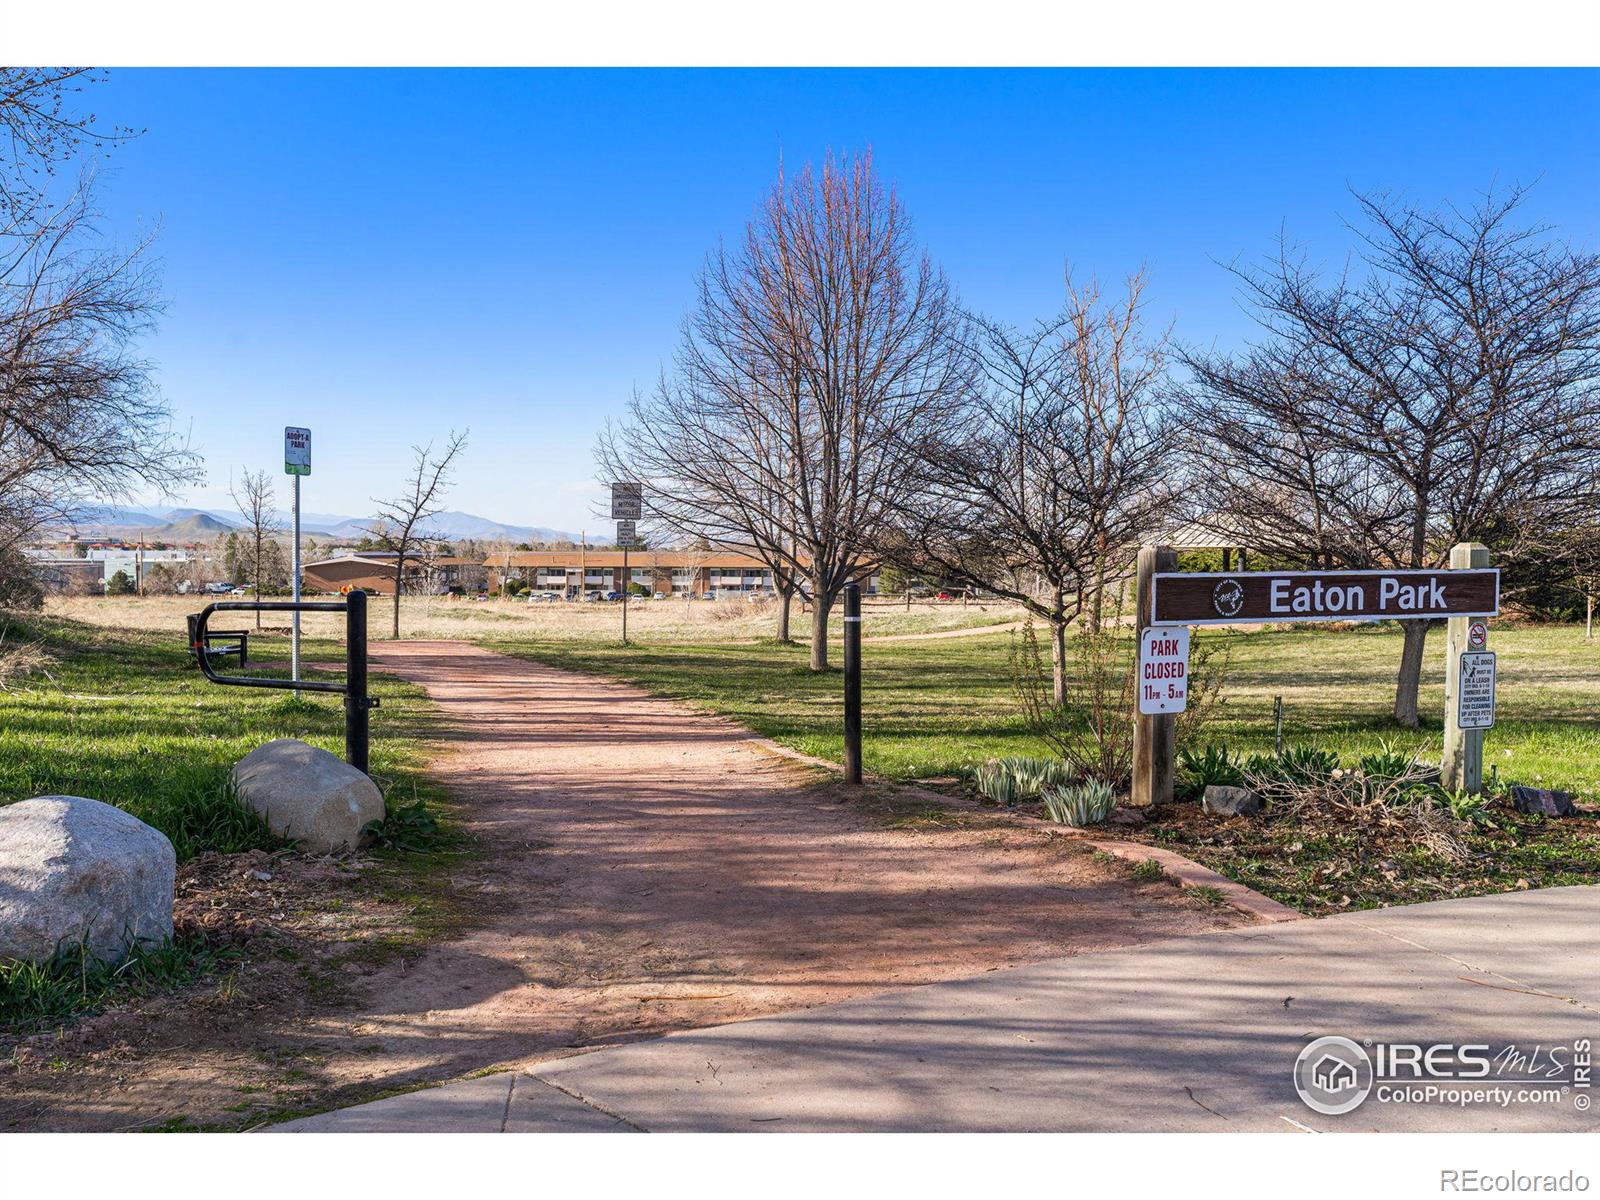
(852,683)
(355,666)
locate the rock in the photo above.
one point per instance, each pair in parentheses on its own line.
(1230,801)
(1541,800)
(307,795)
(74,870)
(1125,817)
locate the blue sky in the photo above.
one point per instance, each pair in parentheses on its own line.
(386,255)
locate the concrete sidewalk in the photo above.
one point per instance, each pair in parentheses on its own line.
(1196,1033)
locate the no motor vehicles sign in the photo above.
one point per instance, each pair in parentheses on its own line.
(1163,679)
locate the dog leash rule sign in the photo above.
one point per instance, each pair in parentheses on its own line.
(1163,669)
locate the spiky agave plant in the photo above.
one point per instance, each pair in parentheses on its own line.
(1079,804)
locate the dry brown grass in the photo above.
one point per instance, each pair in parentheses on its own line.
(20,658)
(650,621)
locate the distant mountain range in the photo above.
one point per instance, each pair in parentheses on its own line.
(198,524)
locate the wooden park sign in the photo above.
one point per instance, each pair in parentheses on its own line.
(1226,598)
(1463,594)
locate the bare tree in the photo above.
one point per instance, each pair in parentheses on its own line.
(1054,472)
(1447,396)
(257,501)
(41,129)
(402,523)
(816,353)
(79,415)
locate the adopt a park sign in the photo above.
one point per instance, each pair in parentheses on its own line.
(296,450)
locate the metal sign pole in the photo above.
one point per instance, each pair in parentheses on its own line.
(357,717)
(627,582)
(296,462)
(294,636)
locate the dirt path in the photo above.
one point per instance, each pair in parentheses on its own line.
(672,875)
(650,869)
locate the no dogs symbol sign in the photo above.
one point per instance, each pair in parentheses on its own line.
(1163,670)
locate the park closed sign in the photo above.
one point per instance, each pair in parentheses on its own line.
(1163,670)
(1223,598)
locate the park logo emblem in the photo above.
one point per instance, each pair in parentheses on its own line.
(1228,598)
(1333,1075)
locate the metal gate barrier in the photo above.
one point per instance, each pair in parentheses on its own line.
(357,703)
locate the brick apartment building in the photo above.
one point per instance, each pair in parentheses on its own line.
(573,573)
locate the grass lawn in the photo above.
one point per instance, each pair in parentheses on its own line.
(123,716)
(936,708)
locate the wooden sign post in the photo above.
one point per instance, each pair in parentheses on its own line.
(1154,734)
(1462,766)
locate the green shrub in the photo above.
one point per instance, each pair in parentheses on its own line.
(405,826)
(1007,781)
(1464,806)
(997,783)
(1079,804)
(1299,766)
(1388,762)
(1212,767)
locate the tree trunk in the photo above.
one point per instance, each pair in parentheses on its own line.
(1588,617)
(785,599)
(1410,677)
(1058,661)
(821,602)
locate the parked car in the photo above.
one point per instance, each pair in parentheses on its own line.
(659,596)
(944,596)
(613,595)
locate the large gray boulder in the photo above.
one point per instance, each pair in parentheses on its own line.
(1542,800)
(1230,801)
(307,794)
(75,871)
